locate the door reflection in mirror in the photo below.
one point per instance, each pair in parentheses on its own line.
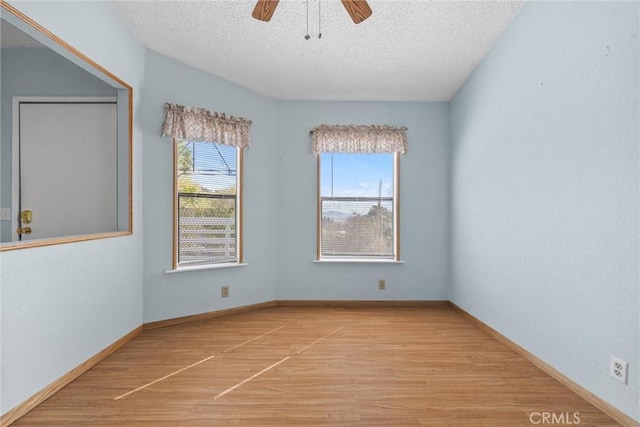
(65,142)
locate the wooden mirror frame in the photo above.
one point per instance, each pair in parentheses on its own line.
(117,84)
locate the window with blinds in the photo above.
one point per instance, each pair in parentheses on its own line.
(357,207)
(207,203)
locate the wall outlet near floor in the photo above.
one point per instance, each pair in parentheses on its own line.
(225,291)
(5,214)
(618,369)
(382,285)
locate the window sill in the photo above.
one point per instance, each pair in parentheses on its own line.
(357,261)
(206,267)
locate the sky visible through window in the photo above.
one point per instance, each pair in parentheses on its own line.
(355,175)
(341,174)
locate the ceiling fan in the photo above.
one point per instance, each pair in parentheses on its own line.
(358,10)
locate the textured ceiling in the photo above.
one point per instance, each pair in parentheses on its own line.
(406,51)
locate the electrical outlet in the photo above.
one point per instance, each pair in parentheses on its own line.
(618,369)
(382,285)
(225,291)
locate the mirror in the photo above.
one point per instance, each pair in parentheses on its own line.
(65,141)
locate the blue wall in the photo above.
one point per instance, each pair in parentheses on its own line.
(423,205)
(62,304)
(190,292)
(36,72)
(545,191)
(280,201)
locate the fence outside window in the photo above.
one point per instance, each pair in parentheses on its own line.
(206,228)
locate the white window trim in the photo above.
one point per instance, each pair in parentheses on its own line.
(357,261)
(206,267)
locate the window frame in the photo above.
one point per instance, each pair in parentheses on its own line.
(239,215)
(396,218)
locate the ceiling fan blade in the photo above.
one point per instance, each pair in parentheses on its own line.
(358,10)
(264,9)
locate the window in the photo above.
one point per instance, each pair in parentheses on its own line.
(208,203)
(358,206)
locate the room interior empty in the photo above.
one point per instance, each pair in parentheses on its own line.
(423,213)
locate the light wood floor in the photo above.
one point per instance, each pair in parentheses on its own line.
(288,366)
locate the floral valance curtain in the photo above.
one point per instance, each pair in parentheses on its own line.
(359,139)
(200,125)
